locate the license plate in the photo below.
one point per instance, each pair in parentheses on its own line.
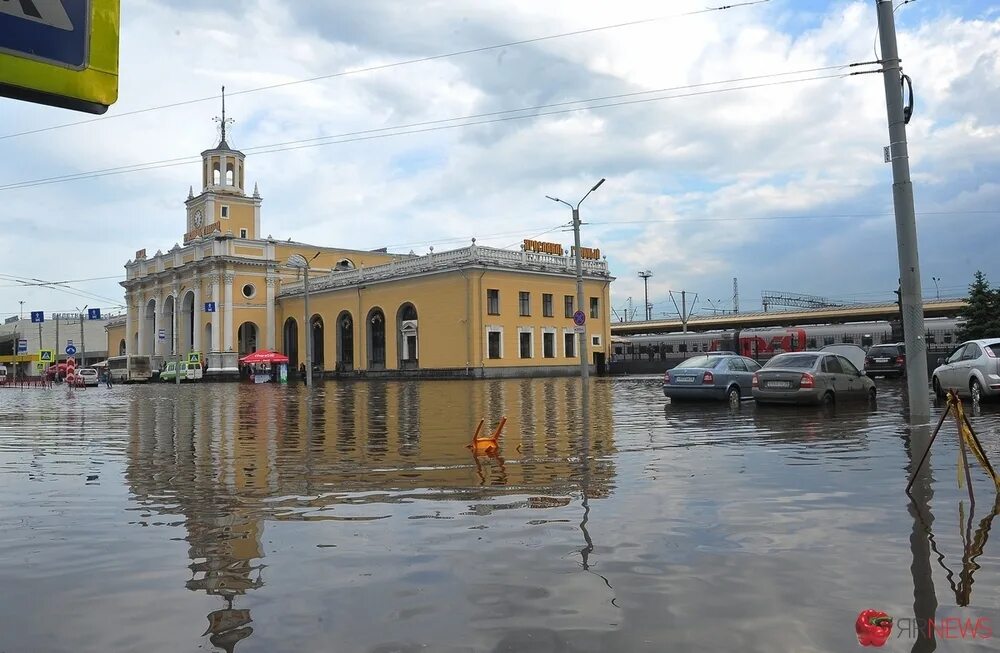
(881,360)
(779,384)
(684,379)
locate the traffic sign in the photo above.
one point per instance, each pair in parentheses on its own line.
(70,350)
(209,307)
(579,318)
(580,329)
(37,316)
(63,53)
(22,346)
(93,313)
(46,356)
(161,334)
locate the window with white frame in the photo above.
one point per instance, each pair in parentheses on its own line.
(549,344)
(494,342)
(225,211)
(595,341)
(526,342)
(569,344)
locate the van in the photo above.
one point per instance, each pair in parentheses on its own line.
(3,374)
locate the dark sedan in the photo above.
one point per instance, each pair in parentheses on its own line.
(888,360)
(811,378)
(713,376)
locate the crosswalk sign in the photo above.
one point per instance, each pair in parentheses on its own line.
(46,356)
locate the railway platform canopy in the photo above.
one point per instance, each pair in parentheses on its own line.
(826,315)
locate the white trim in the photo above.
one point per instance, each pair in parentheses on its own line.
(555,344)
(531,342)
(595,341)
(253,288)
(492,328)
(244,233)
(224,211)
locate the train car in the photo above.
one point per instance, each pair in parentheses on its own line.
(941,334)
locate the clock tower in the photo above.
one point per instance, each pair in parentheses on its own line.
(222,206)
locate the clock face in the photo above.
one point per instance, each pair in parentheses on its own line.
(198,217)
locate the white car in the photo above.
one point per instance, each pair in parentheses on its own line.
(972,370)
(88,376)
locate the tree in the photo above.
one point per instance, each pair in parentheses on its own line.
(982,317)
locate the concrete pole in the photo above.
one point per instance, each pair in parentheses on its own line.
(308,327)
(584,367)
(173,339)
(83,346)
(684,319)
(906,227)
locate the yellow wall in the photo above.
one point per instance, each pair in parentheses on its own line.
(116,334)
(240,215)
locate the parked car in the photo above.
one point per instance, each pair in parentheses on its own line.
(711,376)
(188,372)
(972,370)
(811,377)
(88,376)
(886,359)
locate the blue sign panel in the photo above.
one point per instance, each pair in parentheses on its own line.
(37,316)
(209,307)
(579,318)
(93,313)
(70,350)
(53,32)
(22,346)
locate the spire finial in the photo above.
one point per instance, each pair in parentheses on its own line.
(223,121)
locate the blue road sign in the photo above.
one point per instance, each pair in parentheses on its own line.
(53,32)
(161,334)
(209,307)
(37,316)
(22,346)
(93,313)
(579,318)
(70,350)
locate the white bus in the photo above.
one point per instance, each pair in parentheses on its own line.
(130,369)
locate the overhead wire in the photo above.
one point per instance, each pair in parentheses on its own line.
(386,66)
(416,128)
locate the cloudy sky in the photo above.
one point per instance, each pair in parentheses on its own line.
(781,185)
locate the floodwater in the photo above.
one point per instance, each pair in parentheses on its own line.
(225,517)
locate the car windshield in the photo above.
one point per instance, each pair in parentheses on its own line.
(792,361)
(702,362)
(883,351)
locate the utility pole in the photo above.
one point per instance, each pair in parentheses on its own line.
(911,298)
(21,316)
(736,295)
(646,274)
(83,348)
(682,311)
(584,364)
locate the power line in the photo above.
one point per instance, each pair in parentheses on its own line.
(58,286)
(54,283)
(387,66)
(402,130)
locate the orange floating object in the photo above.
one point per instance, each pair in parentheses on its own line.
(488,445)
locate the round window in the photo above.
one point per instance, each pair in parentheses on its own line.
(249,290)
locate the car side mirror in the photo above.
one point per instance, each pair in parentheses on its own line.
(861,373)
(940,360)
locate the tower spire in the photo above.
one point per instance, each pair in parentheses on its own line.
(223,121)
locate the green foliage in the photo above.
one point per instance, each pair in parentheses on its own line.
(982,317)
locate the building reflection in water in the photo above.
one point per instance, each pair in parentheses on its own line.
(229,460)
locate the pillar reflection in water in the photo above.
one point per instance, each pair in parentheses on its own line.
(924,597)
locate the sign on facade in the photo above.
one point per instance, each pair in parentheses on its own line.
(37,316)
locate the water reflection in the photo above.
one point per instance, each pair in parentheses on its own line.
(227,464)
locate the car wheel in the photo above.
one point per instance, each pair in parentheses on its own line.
(938,392)
(872,394)
(976,390)
(733,394)
(827,399)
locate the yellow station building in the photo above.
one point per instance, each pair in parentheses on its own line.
(227,291)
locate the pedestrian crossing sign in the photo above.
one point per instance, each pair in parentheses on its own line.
(46,356)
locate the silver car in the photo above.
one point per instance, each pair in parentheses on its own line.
(811,378)
(973,370)
(711,376)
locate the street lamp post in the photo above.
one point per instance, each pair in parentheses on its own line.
(298,261)
(584,365)
(937,291)
(83,348)
(646,274)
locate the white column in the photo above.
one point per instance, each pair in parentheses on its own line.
(158,323)
(216,296)
(175,318)
(129,311)
(141,317)
(196,317)
(228,318)
(269,327)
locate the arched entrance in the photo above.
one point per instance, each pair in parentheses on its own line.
(406,336)
(316,324)
(290,342)
(167,324)
(247,338)
(148,331)
(121,348)
(376,339)
(185,323)
(345,342)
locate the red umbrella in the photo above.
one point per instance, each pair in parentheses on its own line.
(264,356)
